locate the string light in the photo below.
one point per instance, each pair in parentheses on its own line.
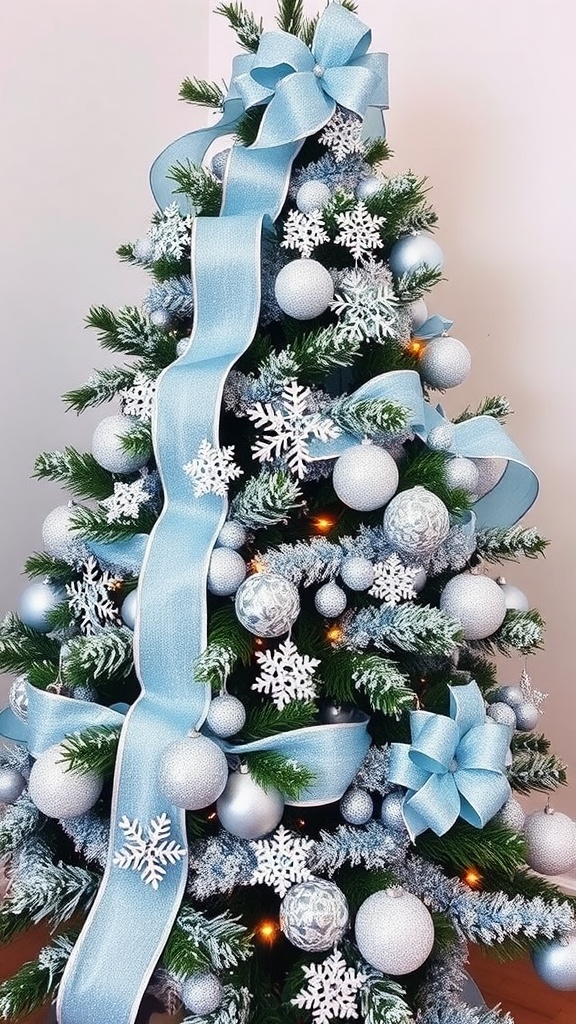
(267,931)
(472,878)
(258,564)
(324,523)
(334,634)
(415,347)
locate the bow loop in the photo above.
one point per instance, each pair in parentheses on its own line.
(340,37)
(280,54)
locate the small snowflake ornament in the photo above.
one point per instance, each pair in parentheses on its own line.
(212,469)
(170,234)
(286,674)
(342,135)
(281,860)
(359,230)
(126,501)
(289,427)
(394,581)
(532,696)
(332,989)
(366,309)
(138,398)
(148,854)
(304,232)
(89,599)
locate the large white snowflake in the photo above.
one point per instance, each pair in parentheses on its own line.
(137,399)
(171,235)
(288,428)
(359,230)
(394,581)
(89,599)
(342,135)
(286,674)
(127,500)
(365,308)
(212,469)
(149,853)
(304,232)
(331,990)
(281,860)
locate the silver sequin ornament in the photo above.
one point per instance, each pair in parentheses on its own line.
(445,363)
(232,535)
(441,438)
(367,187)
(226,715)
(193,772)
(503,714)
(461,474)
(267,604)
(391,812)
(418,313)
(128,609)
(304,289)
(18,697)
(59,793)
(515,598)
(555,963)
(107,445)
(57,537)
(414,252)
(314,915)
(202,993)
(36,603)
(218,164)
(312,195)
(394,931)
(476,602)
(551,842)
(356,572)
(246,809)
(512,815)
(226,572)
(365,477)
(330,600)
(356,806)
(12,784)
(416,522)
(527,716)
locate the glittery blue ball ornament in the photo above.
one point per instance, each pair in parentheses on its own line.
(218,164)
(414,252)
(394,931)
(58,538)
(36,603)
(12,784)
(445,363)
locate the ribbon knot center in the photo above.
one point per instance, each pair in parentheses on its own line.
(454,765)
(319,70)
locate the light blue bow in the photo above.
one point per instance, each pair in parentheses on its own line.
(454,767)
(433,327)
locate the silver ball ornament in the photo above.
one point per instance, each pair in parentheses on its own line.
(394,931)
(12,784)
(418,313)
(461,474)
(226,572)
(511,695)
(144,250)
(193,772)
(159,317)
(18,697)
(490,472)
(314,915)
(445,363)
(59,793)
(330,600)
(512,815)
(336,714)
(391,812)
(202,993)
(84,692)
(555,963)
(312,195)
(515,598)
(218,164)
(367,187)
(246,809)
(441,438)
(57,537)
(356,806)
(365,477)
(356,572)
(413,252)
(226,715)
(476,602)
(416,522)
(107,445)
(304,289)
(232,535)
(503,714)
(267,605)
(128,609)
(551,842)
(36,603)
(527,716)
(419,581)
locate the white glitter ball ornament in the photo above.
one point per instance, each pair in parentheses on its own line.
(59,793)
(356,572)
(551,842)
(441,438)
(418,312)
(367,187)
(394,931)
(18,697)
(226,715)
(365,477)
(226,572)
(314,915)
(107,445)
(413,252)
(12,784)
(330,600)
(312,195)
(202,993)
(57,537)
(416,522)
(304,289)
(36,603)
(356,806)
(445,363)
(462,474)
(512,815)
(476,602)
(515,598)
(193,772)
(128,609)
(246,809)
(232,535)
(555,963)
(267,605)
(503,714)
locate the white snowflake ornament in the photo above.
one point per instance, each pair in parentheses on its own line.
(286,674)
(366,309)
(288,428)
(170,236)
(212,469)
(126,501)
(281,860)
(148,854)
(138,398)
(89,599)
(359,230)
(332,989)
(304,232)
(394,581)
(342,135)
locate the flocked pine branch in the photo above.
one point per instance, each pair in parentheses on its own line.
(201,92)
(41,890)
(200,943)
(497,406)
(496,544)
(536,771)
(102,386)
(318,352)
(202,189)
(414,628)
(229,644)
(130,332)
(368,417)
(21,646)
(79,471)
(376,151)
(273,771)
(402,202)
(414,284)
(93,524)
(248,30)
(18,823)
(385,685)
(36,981)
(267,720)
(103,656)
(374,846)
(40,564)
(90,834)
(92,751)
(138,441)
(463,1013)
(267,499)
(520,631)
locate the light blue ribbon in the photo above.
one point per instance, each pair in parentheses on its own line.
(454,767)
(433,327)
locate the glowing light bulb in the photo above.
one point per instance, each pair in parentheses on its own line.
(473,878)
(267,931)
(323,524)
(334,634)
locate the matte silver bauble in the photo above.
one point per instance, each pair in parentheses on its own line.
(418,313)
(555,963)
(312,195)
(391,813)
(394,931)
(218,164)
(12,784)
(330,600)
(356,572)
(515,598)
(226,572)
(445,363)
(365,477)
(232,535)
(551,842)
(107,445)
(36,603)
(246,809)
(226,715)
(18,697)
(414,252)
(267,604)
(193,772)
(202,993)
(527,716)
(336,714)
(58,539)
(441,438)
(128,609)
(503,714)
(59,793)
(314,915)
(476,602)
(511,695)
(304,289)
(461,474)
(416,522)
(512,814)
(356,806)
(367,187)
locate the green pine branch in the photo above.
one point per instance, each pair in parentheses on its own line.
(199,943)
(267,499)
(483,672)
(201,92)
(538,772)
(41,890)
(416,283)
(497,406)
(267,720)
(520,631)
(248,30)
(495,847)
(138,441)
(380,679)
(42,674)
(202,189)
(130,332)
(425,468)
(273,771)
(92,524)
(103,386)
(21,646)
(248,126)
(92,751)
(107,655)
(290,16)
(316,353)
(532,742)
(40,564)
(402,202)
(36,981)
(19,823)
(497,545)
(368,417)
(377,151)
(78,471)
(357,884)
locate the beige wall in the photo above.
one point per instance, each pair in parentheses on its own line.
(481,102)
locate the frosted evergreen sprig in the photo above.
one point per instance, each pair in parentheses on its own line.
(274,771)
(248,30)
(496,545)
(128,331)
(497,406)
(462,1013)
(102,656)
(306,562)
(42,890)
(18,823)
(201,92)
(200,943)
(90,835)
(444,978)
(92,751)
(102,386)
(82,475)
(173,297)
(414,628)
(532,770)
(401,200)
(373,773)
(21,646)
(520,631)
(374,846)
(267,499)
(36,981)
(382,999)
(202,189)
(368,417)
(385,685)
(218,864)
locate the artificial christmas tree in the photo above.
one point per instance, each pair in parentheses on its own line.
(260,744)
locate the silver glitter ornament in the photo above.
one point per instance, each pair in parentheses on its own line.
(226,572)
(84,692)
(232,535)
(391,813)
(336,714)
(414,252)
(193,772)
(512,815)
(418,313)
(461,474)
(419,581)
(57,537)
(356,572)
(246,809)
(441,438)
(551,842)
(490,472)
(218,164)
(202,993)
(314,915)
(312,195)
(394,931)
(476,602)
(503,714)
(143,250)
(267,604)
(356,806)
(36,603)
(330,600)
(226,715)
(128,609)
(367,187)
(59,793)
(304,289)
(416,522)
(555,963)
(18,697)
(445,363)
(107,445)
(160,318)
(511,695)
(12,784)
(527,716)
(515,598)
(365,477)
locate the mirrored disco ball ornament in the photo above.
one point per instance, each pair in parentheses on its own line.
(413,252)
(226,715)
(246,809)
(515,598)
(512,814)
(267,605)
(59,793)
(356,572)
(314,915)
(476,602)
(394,931)
(226,572)
(418,312)
(193,772)
(365,477)
(304,289)
(441,438)
(128,609)
(312,195)
(356,806)
(107,446)
(330,600)
(18,697)
(12,784)
(369,186)
(57,537)
(445,363)
(232,535)
(202,993)
(555,963)
(36,603)
(461,474)
(416,522)
(551,842)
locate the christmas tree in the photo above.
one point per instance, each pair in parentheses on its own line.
(261,762)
